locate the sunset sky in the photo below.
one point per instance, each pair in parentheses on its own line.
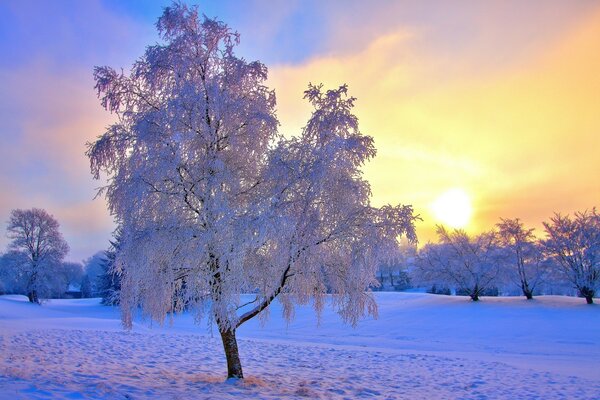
(496,101)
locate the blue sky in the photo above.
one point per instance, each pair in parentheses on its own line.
(495,98)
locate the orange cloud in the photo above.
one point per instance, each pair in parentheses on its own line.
(522,138)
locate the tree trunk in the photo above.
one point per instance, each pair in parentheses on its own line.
(475,293)
(588,294)
(234,365)
(33,297)
(528,293)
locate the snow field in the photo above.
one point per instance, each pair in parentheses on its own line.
(72,349)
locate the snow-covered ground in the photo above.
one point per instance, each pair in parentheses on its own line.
(422,346)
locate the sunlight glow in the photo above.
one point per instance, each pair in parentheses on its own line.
(453,208)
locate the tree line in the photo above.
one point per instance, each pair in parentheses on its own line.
(507,258)
(512,256)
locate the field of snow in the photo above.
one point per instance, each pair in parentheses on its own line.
(421,346)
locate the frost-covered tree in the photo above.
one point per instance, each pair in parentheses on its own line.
(470,264)
(86,287)
(214,203)
(10,272)
(69,273)
(396,275)
(109,281)
(574,243)
(523,258)
(93,267)
(56,280)
(37,249)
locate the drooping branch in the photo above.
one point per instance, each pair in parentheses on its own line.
(267,300)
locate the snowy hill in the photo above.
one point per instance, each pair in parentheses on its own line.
(421,346)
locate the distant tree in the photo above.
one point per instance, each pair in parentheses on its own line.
(394,275)
(468,263)
(491,291)
(213,202)
(110,278)
(93,267)
(86,287)
(406,263)
(38,249)
(13,279)
(574,243)
(3,275)
(69,273)
(435,289)
(523,258)
(402,280)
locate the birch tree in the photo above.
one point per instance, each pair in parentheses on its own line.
(213,202)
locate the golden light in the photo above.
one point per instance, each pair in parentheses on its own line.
(453,208)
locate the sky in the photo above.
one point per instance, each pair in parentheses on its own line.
(498,101)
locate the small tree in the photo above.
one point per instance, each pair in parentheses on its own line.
(110,277)
(575,245)
(213,202)
(522,256)
(468,263)
(38,249)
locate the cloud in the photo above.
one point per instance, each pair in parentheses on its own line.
(498,97)
(48,110)
(514,135)
(47,119)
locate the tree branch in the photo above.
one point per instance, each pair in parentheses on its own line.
(266,301)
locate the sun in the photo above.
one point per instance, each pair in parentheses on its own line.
(453,208)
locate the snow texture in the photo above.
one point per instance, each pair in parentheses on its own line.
(422,346)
